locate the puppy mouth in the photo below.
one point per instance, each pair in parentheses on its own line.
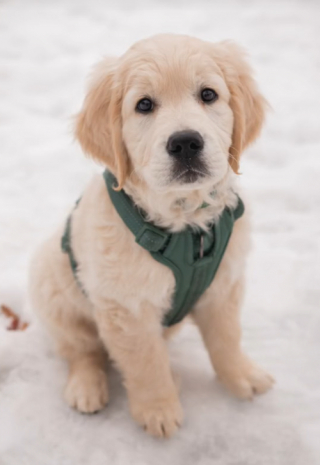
(189,172)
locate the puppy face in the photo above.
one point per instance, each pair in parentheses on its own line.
(174,112)
(177,122)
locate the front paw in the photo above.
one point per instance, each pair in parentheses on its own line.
(160,417)
(87,390)
(244,379)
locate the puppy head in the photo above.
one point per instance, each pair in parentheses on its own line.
(174,112)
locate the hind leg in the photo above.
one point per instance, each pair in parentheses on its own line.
(68,317)
(78,343)
(86,389)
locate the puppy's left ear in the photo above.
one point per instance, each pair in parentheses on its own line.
(246,102)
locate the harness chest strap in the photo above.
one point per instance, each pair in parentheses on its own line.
(193,257)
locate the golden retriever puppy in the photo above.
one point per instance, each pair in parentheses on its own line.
(169,119)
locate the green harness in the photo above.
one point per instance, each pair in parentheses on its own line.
(193,257)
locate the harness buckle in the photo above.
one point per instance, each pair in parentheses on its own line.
(152,238)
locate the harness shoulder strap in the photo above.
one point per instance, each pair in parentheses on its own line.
(67,248)
(239,211)
(147,235)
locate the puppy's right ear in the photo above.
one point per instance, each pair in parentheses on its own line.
(99,123)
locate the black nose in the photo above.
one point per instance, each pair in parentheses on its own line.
(185,144)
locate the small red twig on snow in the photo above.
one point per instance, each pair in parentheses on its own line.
(15,324)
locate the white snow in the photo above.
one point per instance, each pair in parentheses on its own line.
(46,50)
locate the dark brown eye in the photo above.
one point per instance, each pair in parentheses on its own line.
(145,105)
(208,95)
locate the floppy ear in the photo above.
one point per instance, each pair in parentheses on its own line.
(99,123)
(246,102)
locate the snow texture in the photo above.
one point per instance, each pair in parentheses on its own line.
(46,51)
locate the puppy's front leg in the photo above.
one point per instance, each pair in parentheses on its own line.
(136,344)
(218,319)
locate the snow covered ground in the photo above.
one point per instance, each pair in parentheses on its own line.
(46,50)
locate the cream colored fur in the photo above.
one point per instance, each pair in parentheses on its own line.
(128,291)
